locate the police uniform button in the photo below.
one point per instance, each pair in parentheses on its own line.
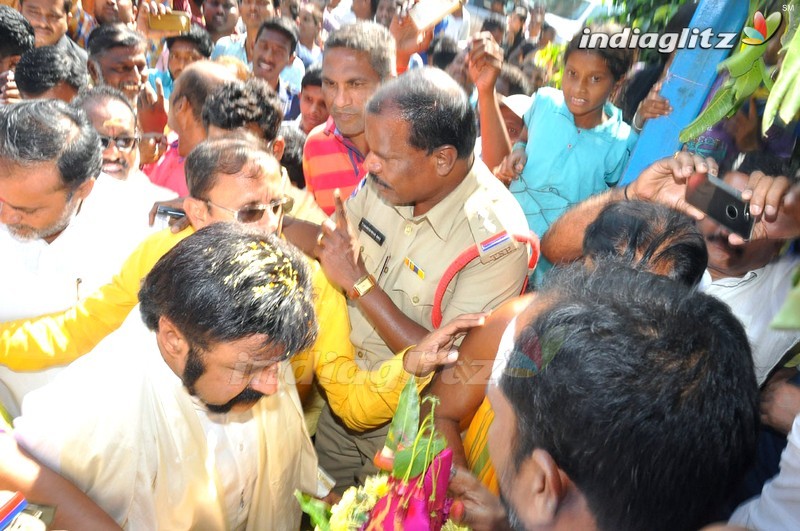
(360,354)
(409,229)
(385,269)
(415,299)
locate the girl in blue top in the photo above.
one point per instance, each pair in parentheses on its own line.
(575,143)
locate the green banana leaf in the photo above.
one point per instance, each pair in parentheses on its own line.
(405,423)
(784,98)
(317,510)
(718,108)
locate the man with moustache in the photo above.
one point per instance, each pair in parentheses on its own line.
(117,58)
(427,200)
(66,228)
(273,50)
(203,427)
(49,19)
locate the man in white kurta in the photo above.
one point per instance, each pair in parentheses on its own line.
(120,425)
(194,424)
(65,227)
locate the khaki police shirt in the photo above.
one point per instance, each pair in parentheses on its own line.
(408,255)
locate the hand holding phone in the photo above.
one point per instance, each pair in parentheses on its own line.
(722,202)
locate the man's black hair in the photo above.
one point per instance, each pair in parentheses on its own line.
(197,36)
(36,131)
(294,139)
(515,80)
(222,156)
(282,26)
(88,97)
(312,77)
(643,392)
(43,68)
(237,104)
(618,60)
(16,33)
(648,237)
(442,51)
(107,36)
(494,21)
(434,105)
(228,282)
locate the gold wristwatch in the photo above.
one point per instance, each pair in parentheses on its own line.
(362,286)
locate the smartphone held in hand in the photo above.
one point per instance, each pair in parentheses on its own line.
(722,202)
(175,22)
(427,13)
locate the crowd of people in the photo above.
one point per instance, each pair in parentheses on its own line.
(231,233)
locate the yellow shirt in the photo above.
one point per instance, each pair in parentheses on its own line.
(362,399)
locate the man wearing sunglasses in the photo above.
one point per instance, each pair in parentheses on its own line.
(113,117)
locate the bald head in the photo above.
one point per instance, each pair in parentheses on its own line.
(197,82)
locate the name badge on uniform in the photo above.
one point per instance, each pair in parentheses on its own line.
(371,231)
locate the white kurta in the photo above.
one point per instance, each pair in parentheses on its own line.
(755,299)
(37,278)
(121,426)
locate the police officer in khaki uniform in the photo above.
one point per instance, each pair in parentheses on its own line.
(426,202)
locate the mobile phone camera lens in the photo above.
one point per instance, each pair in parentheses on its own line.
(731,212)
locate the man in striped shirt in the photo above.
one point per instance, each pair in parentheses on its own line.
(357,59)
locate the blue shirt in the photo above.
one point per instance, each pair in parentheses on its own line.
(166,81)
(567,164)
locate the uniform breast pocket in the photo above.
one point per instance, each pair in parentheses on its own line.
(373,254)
(414,291)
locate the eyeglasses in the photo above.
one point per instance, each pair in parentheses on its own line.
(254,213)
(123,143)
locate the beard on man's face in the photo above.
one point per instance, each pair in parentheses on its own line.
(192,372)
(511,515)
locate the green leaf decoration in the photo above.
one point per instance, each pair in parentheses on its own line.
(405,423)
(783,99)
(720,105)
(745,86)
(742,61)
(317,510)
(412,461)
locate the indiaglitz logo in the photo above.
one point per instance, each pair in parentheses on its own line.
(761,32)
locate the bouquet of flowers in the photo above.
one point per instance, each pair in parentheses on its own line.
(411,491)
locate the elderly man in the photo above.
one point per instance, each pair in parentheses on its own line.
(425,191)
(57,212)
(203,430)
(671,407)
(196,83)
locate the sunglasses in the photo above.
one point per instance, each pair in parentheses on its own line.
(123,143)
(254,213)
